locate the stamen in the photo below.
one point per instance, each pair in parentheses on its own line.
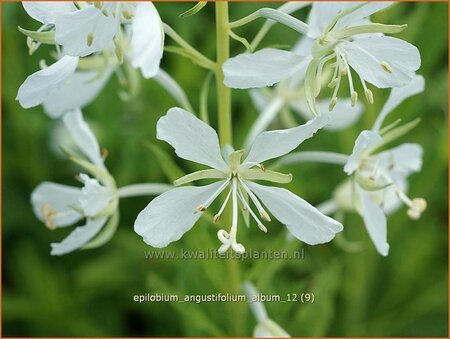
(368,93)
(264,215)
(222,208)
(416,206)
(49,214)
(247,206)
(386,66)
(208,202)
(353,94)
(333,100)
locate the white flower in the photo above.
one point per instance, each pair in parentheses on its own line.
(61,206)
(341,35)
(174,213)
(289,94)
(72,81)
(265,327)
(380,179)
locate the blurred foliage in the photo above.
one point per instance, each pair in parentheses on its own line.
(90,293)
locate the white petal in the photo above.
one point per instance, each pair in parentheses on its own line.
(95,197)
(342,116)
(366,55)
(57,202)
(147,41)
(404,159)
(365,140)
(263,68)
(321,15)
(47,11)
(397,96)
(191,138)
(78,90)
(375,222)
(303,46)
(272,144)
(304,221)
(74,28)
(38,86)
(83,136)
(79,237)
(360,14)
(167,217)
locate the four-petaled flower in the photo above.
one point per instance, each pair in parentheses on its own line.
(339,34)
(61,205)
(380,179)
(93,31)
(173,213)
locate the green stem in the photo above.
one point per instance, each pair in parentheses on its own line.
(225,135)
(223,92)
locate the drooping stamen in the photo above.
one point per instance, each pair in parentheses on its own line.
(353,93)
(334,79)
(247,206)
(416,206)
(205,205)
(367,92)
(222,208)
(262,212)
(333,100)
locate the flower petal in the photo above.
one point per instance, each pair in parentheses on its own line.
(54,204)
(360,14)
(38,86)
(263,68)
(367,55)
(167,217)
(95,197)
(85,31)
(342,116)
(191,138)
(375,222)
(404,159)
(47,11)
(77,91)
(321,15)
(397,96)
(304,221)
(272,144)
(83,136)
(79,237)
(147,41)
(365,140)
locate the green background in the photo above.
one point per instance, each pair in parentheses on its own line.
(89,293)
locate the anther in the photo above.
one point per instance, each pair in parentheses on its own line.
(89,39)
(354,98)
(369,95)
(386,66)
